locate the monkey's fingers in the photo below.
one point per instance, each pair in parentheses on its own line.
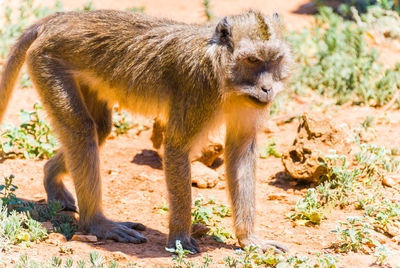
(277,247)
(134,225)
(187,243)
(124,234)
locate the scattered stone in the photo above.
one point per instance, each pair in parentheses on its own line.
(199,230)
(209,153)
(316,136)
(56,239)
(204,177)
(277,196)
(396,239)
(393,228)
(390,180)
(119,256)
(48,226)
(84,238)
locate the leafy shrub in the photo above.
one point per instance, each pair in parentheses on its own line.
(334,59)
(32,139)
(18,227)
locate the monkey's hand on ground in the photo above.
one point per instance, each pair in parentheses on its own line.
(263,244)
(187,242)
(125,232)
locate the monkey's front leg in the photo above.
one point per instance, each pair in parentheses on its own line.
(177,173)
(240,157)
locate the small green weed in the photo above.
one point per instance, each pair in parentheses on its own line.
(207,10)
(18,227)
(7,194)
(210,216)
(121,123)
(95,261)
(140,9)
(308,209)
(270,149)
(179,257)
(354,235)
(32,139)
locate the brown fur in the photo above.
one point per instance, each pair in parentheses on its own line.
(187,75)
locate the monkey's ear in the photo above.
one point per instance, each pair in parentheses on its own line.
(277,19)
(223,33)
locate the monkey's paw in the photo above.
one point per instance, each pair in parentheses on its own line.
(187,243)
(118,231)
(263,244)
(65,198)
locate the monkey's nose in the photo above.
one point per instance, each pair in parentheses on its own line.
(266,90)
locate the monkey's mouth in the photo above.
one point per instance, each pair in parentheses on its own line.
(257,101)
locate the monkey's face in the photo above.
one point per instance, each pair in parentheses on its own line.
(258,70)
(259,58)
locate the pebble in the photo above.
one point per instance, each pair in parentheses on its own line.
(84,238)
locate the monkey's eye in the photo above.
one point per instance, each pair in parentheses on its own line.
(252,60)
(276,61)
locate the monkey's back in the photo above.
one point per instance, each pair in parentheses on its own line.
(133,56)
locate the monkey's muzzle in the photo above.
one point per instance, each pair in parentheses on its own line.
(262,97)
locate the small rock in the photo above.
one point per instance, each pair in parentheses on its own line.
(390,180)
(204,177)
(56,239)
(209,153)
(119,256)
(84,238)
(394,228)
(277,196)
(48,226)
(199,230)
(316,136)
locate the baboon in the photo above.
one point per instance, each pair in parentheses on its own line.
(190,76)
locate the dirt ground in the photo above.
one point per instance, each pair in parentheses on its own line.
(134,191)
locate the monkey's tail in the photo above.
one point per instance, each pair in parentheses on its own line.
(14,62)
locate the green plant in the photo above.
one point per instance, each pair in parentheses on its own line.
(207,10)
(270,149)
(308,209)
(140,9)
(33,137)
(375,160)
(381,253)
(121,124)
(18,227)
(335,60)
(354,235)
(179,257)
(210,216)
(95,261)
(7,190)
(63,224)
(367,123)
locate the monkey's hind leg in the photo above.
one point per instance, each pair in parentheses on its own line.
(76,129)
(54,170)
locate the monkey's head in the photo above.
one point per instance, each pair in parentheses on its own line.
(256,58)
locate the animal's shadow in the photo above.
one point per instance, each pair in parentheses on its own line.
(149,158)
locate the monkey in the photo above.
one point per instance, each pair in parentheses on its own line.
(190,76)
